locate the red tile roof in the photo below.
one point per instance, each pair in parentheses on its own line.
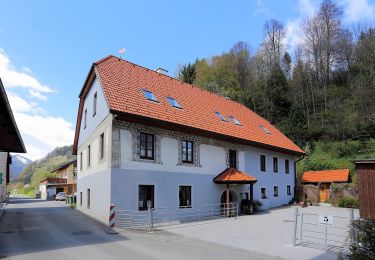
(340,175)
(233,175)
(122,82)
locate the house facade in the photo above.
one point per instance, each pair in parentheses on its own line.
(145,138)
(65,182)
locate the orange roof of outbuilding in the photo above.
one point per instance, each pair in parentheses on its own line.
(340,175)
(123,81)
(233,175)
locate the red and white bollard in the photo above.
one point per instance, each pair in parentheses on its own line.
(112,218)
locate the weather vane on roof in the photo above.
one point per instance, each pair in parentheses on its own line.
(121,51)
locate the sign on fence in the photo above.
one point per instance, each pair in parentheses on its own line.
(326,220)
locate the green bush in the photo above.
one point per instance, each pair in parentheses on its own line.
(362,244)
(348,202)
(73,205)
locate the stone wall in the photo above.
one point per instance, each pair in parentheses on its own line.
(342,190)
(312,193)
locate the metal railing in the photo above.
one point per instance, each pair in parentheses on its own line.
(158,217)
(308,229)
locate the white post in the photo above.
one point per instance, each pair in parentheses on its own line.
(295,226)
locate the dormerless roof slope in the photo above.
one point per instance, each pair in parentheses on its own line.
(123,81)
(10,138)
(339,175)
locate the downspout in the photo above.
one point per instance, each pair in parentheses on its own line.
(295,175)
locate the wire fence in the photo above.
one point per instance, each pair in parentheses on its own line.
(151,219)
(329,231)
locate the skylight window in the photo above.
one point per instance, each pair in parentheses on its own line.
(265,130)
(149,95)
(173,102)
(222,118)
(234,120)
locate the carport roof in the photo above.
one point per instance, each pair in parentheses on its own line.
(10,138)
(233,175)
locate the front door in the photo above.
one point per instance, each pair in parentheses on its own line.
(324,193)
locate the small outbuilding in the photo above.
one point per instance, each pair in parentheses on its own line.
(323,180)
(366,187)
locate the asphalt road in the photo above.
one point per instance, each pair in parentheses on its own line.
(37,229)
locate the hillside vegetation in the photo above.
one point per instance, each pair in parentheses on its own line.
(324,90)
(41,169)
(329,155)
(322,96)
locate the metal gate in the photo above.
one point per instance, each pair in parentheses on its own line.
(151,219)
(329,231)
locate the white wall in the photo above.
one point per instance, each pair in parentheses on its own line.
(96,163)
(168,176)
(269,179)
(99,185)
(97,176)
(102,111)
(212,158)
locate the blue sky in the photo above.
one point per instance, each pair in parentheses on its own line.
(47,47)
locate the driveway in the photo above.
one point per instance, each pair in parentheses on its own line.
(269,232)
(37,229)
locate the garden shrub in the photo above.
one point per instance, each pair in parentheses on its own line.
(348,202)
(362,244)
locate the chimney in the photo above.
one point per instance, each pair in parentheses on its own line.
(162,71)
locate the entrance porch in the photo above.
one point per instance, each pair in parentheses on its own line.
(231,177)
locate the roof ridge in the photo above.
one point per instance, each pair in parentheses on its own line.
(104,59)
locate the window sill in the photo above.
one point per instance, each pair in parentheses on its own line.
(185,207)
(186,162)
(145,158)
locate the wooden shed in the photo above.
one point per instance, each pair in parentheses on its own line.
(366,187)
(323,180)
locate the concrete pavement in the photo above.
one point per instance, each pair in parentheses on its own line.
(36,229)
(269,232)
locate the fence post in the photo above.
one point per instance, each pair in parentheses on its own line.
(295,226)
(149,218)
(351,213)
(326,234)
(301,227)
(112,219)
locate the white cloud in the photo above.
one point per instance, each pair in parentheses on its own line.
(37,95)
(306,7)
(261,8)
(293,27)
(51,131)
(358,10)
(13,78)
(33,153)
(18,104)
(40,132)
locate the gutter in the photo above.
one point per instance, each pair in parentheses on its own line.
(295,174)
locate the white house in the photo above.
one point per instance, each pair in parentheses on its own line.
(144,136)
